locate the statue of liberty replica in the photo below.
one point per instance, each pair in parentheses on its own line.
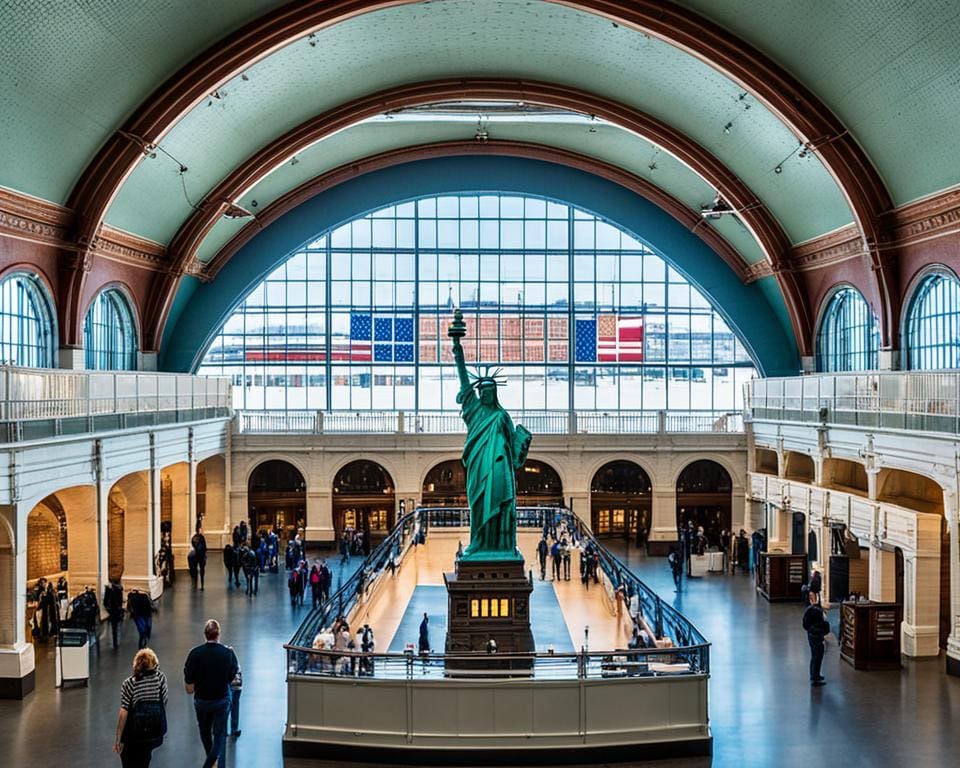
(492,453)
(488,595)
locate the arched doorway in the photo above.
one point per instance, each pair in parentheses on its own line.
(704,498)
(364,500)
(46,541)
(538,485)
(277,498)
(621,501)
(445,485)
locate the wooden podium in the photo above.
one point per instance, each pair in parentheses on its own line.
(870,634)
(781,576)
(488,599)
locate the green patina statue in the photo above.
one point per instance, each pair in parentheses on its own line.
(492,452)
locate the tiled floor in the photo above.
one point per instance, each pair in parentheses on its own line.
(763,711)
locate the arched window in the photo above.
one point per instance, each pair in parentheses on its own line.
(933,323)
(27,334)
(109,333)
(578,314)
(848,338)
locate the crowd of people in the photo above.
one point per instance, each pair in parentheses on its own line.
(738,551)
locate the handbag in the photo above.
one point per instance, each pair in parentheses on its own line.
(147,722)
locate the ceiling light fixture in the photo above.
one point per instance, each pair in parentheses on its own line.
(482,134)
(727,128)
(719,207)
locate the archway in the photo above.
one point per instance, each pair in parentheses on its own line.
(919,493)
(621,501)
(538,485)
(445,485)
(704,497)
(277,498)
(363,501)
(46,541)
(799,467)
(845,475)
(175,510)
(766,461)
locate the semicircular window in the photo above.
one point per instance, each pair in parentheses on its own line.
(933,324)
(27,329)
(109,333)
(577,313)
(848,338)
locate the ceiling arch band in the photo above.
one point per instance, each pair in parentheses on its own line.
(756,216)
(803,112)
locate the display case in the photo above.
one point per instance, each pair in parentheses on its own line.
(870,634)
(781,577)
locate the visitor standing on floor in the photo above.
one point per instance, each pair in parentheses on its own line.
(676,567)
(236,688)
(207,674)
(555,560)
(142,721)
(141,611)
(816,585)
(542,549)
(229,558)
(423,642)
(326,580)
(817,628)
(113,602)
(314,586)
(199,545)
(251,571)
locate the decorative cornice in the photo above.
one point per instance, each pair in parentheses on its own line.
(30,218)
(128,248)
(832,248)
(757,271)
(926,219)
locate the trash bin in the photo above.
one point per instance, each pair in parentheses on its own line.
(73,656)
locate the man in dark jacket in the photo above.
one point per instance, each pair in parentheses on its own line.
(542,549)
(817,628)
(141,611)
(113,602)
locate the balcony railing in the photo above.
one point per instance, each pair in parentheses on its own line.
(890,400)
(37,403)
(449,422)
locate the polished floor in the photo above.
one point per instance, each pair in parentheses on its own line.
(763,711)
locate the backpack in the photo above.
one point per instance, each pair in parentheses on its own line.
(147,722)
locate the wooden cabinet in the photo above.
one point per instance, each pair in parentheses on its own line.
(870,634)
(781,577)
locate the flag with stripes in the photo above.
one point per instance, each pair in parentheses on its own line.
(609,339)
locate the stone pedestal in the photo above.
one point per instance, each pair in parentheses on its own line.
(488,599)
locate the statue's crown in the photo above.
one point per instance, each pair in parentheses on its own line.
(487,379)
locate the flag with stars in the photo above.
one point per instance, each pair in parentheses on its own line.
(586,341)
(393,340)
(361,332)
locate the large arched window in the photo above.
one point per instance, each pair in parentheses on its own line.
(579,314)
(848,338)
(27,334)
(933,323)
(109,333)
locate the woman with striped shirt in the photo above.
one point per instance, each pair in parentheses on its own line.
(146,686)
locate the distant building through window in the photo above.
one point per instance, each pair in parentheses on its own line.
(577,314)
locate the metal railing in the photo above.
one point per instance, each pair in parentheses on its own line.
(450,422)
(40,402)
(889,400)
(688,654)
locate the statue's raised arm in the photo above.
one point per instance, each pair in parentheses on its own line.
(457,330)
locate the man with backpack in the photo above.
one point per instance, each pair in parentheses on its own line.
(141,611)
(676,567)
(817,628)
(113,602)
(251,570)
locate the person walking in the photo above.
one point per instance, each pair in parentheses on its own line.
(251,571)
(207,674)
(367,645)
(236,688)
(293,585)
(676,567)
(142,721)
(326,580)
(817,628)
(199,544)
(141,611)
(816,585)
(565,557)
(229,559)
(555,559)
(542,549)
(314,586)
(113,602)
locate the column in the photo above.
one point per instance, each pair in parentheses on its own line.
(320,517)
(663,519)
(17,663)
(951,510)
(883,583)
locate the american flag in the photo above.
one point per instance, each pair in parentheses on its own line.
(358,348)
(609,339)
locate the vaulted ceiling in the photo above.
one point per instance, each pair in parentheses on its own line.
(806,118)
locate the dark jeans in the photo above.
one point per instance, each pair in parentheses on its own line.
(235,710)
(816,658)
(115,628)
(212,722)
(144,628)
(135,756)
